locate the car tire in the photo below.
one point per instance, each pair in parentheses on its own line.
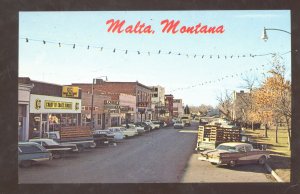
(232,163)
(26,163)
(56,155)
(262,160)
(80,148)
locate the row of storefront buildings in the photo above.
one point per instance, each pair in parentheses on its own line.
(45,107)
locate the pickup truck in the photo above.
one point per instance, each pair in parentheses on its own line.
(235,153)
(79,135)
(210,136)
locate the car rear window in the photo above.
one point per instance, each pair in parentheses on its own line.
(227,148)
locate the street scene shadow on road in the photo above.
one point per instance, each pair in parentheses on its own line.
(246,168)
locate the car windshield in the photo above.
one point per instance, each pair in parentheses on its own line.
(226,148)
(184,117)
(178,122)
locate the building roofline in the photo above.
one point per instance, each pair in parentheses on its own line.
(35,81)
(138,83)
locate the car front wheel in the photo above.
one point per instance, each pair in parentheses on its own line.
(56,155)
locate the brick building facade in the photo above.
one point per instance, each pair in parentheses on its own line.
(141,92)
(169,104)
(100,116)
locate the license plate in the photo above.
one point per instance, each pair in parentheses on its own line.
(106,142)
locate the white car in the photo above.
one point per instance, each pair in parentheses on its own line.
(153,126)
(118,133)
(130,132)
(178,125)
(139,129)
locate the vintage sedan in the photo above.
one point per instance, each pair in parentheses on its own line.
(146,127)
(103,137)
(138,128)
(129,132)
(118,133)
(31,152)
(235,153)
(178,125)
(57,149)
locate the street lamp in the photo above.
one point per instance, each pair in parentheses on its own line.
(92,107)
(265,36)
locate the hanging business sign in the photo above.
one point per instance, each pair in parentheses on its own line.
(70,92)
(53,104)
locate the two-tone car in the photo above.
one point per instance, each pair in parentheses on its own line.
(57,149)
(235,153)
(31,152)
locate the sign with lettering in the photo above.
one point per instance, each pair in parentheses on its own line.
(53,104)
(70,91)
(48,104)
(111,102)
(111,106)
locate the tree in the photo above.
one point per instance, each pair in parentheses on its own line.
(225,104)
(272,101)
(186,110)
(202,109)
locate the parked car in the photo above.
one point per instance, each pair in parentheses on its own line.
(103,137)
(57,149)
(129,132)
(139,129)
(235,153)
(153,125)
(178,125)
(118,133)
(31,152)
(161,123)
(147,127)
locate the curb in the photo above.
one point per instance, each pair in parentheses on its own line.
(273,173)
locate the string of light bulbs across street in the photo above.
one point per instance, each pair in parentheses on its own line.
(116,50)
(149,53)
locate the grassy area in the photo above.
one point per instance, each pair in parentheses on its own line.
(280,154)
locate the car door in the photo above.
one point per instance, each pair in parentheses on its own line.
(241,155)
(252,155)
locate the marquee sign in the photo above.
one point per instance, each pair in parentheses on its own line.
(53,104)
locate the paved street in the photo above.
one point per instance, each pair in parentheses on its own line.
(164,155)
